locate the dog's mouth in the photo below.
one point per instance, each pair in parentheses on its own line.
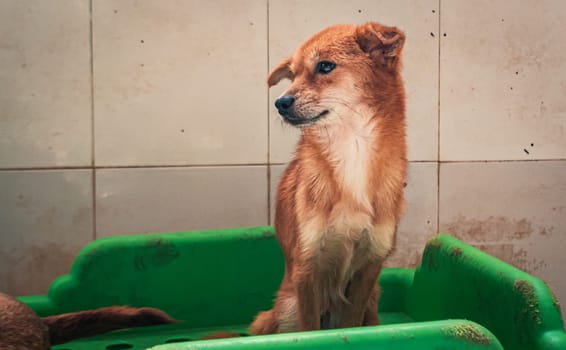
(304,121)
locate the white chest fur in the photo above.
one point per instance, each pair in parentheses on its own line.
(348,234)
(349,144)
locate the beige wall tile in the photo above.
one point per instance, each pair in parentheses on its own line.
(514,210)
(179,199)
(291,22)
(45,219)
(45,99)
(274,178)
(180,82)
(503,80)
(419,222)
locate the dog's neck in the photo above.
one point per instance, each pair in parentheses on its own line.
(349,146)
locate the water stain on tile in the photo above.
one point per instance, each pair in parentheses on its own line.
(522,260)
(501,251)
(514,255)
(33,268)
(491,229)
(23,201)
(406,257)
(81,215)
(49,219)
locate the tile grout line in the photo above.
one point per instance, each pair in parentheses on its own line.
(189,166)
(268,132)
(227,165)
(438,123)
(93,161)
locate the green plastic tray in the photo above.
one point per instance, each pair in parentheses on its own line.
(459,297)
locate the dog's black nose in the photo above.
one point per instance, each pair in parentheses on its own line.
(283,103)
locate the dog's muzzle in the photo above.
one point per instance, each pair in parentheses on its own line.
(284,106)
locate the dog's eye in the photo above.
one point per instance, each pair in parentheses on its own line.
(325,67)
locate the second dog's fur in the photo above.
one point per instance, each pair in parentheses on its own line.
(340,199)
(22,329)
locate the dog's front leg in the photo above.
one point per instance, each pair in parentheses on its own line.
(371,318)
(358,293)
(308,295)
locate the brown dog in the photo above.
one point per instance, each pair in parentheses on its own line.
(22,329)
(340,199)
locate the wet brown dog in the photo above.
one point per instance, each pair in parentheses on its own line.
(22,329)
(340,199)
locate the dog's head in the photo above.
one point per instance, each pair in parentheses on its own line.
(339,71)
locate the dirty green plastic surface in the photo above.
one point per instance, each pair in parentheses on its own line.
(458,298)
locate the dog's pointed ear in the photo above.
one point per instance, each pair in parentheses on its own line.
(383,44)
(282,71)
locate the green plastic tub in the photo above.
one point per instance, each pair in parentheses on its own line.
(459,297)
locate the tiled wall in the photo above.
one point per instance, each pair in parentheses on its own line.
(123,116)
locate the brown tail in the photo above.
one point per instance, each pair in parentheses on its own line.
(66,327)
